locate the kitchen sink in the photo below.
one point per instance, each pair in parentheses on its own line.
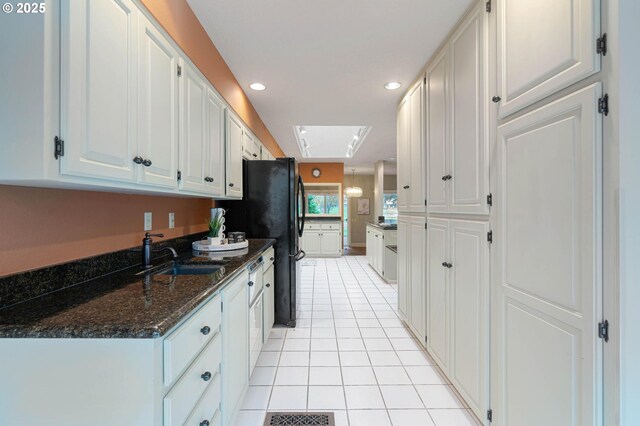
(190,270)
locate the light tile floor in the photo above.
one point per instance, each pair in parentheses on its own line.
(350,354)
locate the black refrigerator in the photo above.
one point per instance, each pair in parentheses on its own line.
(273,206)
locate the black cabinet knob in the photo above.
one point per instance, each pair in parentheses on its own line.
(205,330)
(138,159)
(268,285)
(496,99)
(447,264)
(406,187)
(231,185)
(206,376)
(255,155)
(204,423)
(208,179)
(146,162)
(272,259)
(250,283)
(446,177)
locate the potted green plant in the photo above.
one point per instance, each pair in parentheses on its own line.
(216,228)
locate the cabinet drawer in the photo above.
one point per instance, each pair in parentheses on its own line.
(269,257)
(335,226)
(187,341)
(312,226)
(208,409)
(185,394)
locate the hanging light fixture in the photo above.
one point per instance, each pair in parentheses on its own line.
(353,191)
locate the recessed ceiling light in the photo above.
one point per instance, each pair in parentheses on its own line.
(393,85)
(258,86)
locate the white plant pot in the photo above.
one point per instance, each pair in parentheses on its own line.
(214,241)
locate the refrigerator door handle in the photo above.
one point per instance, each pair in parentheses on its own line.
(301,255)
(303,212)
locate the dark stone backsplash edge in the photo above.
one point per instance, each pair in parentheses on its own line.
(28,285)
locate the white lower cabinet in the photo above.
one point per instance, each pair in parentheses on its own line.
(411,282)
(403,267)
(377,239)
(322,239)
(235,346)
(457,306)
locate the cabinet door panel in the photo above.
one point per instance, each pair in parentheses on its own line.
(404,162)
(470,173)
(438,291)
(193,144)
(330,243)
(416,273)
(311,242)
(469,310)
(536,62)
(215,167)
(235,348)
(416,149)
(404,240)
(99,87)
(437,135)
(157,107)
(547,276)
(234,155)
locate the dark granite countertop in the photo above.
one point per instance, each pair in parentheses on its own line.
(323,218)
(126,304)
(384,226)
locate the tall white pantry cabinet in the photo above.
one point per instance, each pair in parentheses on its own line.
(508,267)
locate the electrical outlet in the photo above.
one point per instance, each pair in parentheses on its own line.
(148,221)
(172,220)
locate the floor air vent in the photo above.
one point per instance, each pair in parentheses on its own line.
(295,419)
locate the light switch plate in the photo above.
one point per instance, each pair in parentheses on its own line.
(148,221)
(172,220)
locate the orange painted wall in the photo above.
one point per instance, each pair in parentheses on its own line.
(42,227)
(329,172)
(177,18)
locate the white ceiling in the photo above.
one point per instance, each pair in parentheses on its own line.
(325,62)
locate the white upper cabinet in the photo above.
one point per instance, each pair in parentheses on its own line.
(403,147)
(416,148)
(411,151)
(457,121)
(193,143)
(469,169)
(215,164)
(157,107)
(535,61)
(99,88)
(437,134)
(234,155)
(251,146)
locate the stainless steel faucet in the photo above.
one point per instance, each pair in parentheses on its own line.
(147,250)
